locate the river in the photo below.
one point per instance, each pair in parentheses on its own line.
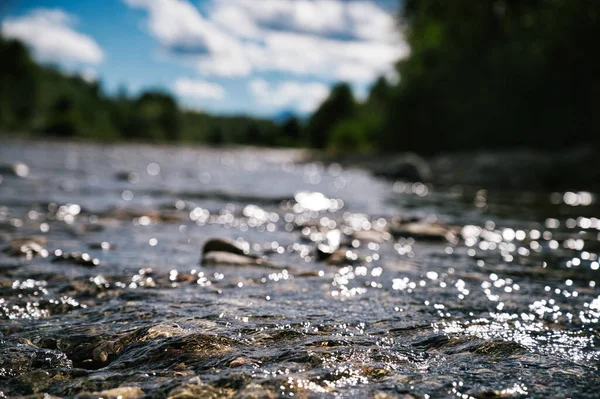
(435,292)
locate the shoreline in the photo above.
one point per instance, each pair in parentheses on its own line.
(508,170)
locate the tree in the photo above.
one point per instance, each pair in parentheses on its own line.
(338,106)
(496,73)
(154,115)
(18,86)
(291,131)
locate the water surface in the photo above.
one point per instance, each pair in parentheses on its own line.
(503,304)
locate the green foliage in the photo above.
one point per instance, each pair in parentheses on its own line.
(349,135)
(481,75)
(153,115)
(291,132)
(18,86)
(496,73)
(43,100)
(338,106)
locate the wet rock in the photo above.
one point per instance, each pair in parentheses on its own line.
(375,372)
(41,396)
(385,395)
(18,359)
(104,245)
(407,167)
(195,389)
(77,258)
(27,246)
(341,257)
(424,231)
(503,349)
(324,252)
(434,341)
(241,361)
(255,391)
(375,236)
(118,393)
(124,175)
(17,169)
(222,245)
(495,393)
(220,251)
(226,258)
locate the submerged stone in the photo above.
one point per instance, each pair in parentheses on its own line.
(17,169)
(78,258)
(119,393)
(104,245)
(195,389)
(227,258)
(220,251)
(222,245)
(241,361)
(375,236)
(424,231)
(27,246)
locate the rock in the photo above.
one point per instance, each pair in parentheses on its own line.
(255,391)
(131,177)
(20,358)
(78,258)
(241,361)
(27,246)
(408,167)
(120,393)
(226,258)
(329,244)
(221,251)
(424,231)
(342,257)
(194,388)
(324,252)
(222,245)
(104,245)
(17,169)
(385,395)
(375,236)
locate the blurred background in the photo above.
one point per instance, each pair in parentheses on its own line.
(191,202)
(346,76)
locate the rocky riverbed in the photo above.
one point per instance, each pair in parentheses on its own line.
(151,272)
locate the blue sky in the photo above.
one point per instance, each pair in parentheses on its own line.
(259,57)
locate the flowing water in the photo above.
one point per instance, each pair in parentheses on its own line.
(431,291)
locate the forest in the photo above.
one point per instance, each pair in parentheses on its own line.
(491,74)
(41,100)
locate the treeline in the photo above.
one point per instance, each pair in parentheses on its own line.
(488,74)
(42,100)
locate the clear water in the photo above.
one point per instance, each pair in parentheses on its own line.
(507,308)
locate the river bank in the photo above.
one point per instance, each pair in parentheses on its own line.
(521,169)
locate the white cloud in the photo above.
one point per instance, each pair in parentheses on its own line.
(304,97)
(197,88)
(179,26)
(355,19)
(326,39)
(51,35)
(304,54)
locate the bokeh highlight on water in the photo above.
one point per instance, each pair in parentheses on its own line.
(372,288)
